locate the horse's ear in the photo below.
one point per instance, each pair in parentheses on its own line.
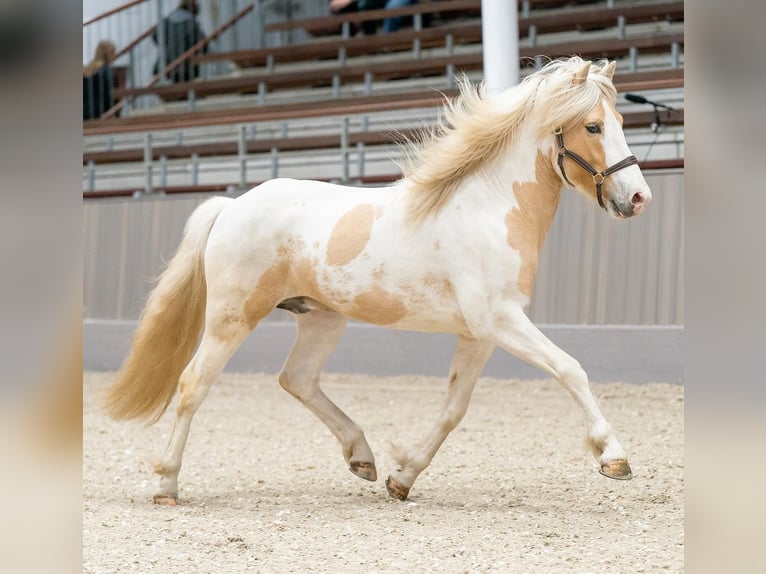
(609,69)
(581,75)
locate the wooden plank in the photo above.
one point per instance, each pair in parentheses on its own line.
(463,33)
(341,106)
(675,163)
(602,48)
(335,107)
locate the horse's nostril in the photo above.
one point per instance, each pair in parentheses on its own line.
(637,198)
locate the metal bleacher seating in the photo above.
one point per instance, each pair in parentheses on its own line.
(344,82)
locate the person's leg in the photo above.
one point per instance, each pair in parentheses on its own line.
(393,24)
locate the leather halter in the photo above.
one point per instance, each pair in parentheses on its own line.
(598,176)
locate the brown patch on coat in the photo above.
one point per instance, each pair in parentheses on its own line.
(378,306)
(269,291)
(528,223)
(293,275)
(378,273)
(350,235)
(437,245)
(453,378)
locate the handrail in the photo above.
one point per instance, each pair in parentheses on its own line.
(144,35)
(184,56)
(113,11)
(658,165)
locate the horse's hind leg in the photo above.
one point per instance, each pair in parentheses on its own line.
(467,364)
(219,342)
(318,335)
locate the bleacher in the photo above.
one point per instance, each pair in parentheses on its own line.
(334,106)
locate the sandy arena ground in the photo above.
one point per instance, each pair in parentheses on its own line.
(264,487)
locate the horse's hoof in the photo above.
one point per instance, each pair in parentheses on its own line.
(166,499)
(618,469)
(396,489)
(365,470)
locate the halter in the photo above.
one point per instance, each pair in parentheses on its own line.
(598,176)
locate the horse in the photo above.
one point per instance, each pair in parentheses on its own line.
(451,247)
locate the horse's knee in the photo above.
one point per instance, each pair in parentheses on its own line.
(298,386)
(452,418)
(571,372)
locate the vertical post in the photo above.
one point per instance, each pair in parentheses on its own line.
(234,35)
(417,24)
(360,159)
(633,56)
(91,175)
(195,168)
(261,92)
(163,171)
(532,34)
(367,83)
(148,162)
(274,163)
(675,51)
(260,31)
(621,26)
(242,153)
(162,59)
(344,149)
(191,98)
(131,80)
(500,36)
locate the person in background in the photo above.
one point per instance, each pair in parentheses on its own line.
(389,24)
(98,81)
(182,31)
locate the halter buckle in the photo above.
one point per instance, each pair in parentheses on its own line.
(598,178)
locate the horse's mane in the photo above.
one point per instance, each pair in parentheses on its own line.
(476,127)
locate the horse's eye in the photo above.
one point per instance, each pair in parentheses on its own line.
(593,128)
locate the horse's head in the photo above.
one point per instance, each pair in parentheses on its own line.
(592,155)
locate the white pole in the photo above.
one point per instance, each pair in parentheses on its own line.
(500,38)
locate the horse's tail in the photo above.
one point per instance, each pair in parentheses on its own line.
(169,327)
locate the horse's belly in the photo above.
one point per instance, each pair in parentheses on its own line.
(406,309)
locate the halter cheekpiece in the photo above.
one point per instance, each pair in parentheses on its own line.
(598,176)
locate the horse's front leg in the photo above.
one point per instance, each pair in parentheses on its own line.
(512,330)
(467,364)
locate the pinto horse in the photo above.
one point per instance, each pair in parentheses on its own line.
(452,248)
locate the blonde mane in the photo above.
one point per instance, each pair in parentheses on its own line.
(476,127)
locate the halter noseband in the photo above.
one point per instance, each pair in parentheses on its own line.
(598,176)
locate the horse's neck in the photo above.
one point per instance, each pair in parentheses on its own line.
(522,185)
